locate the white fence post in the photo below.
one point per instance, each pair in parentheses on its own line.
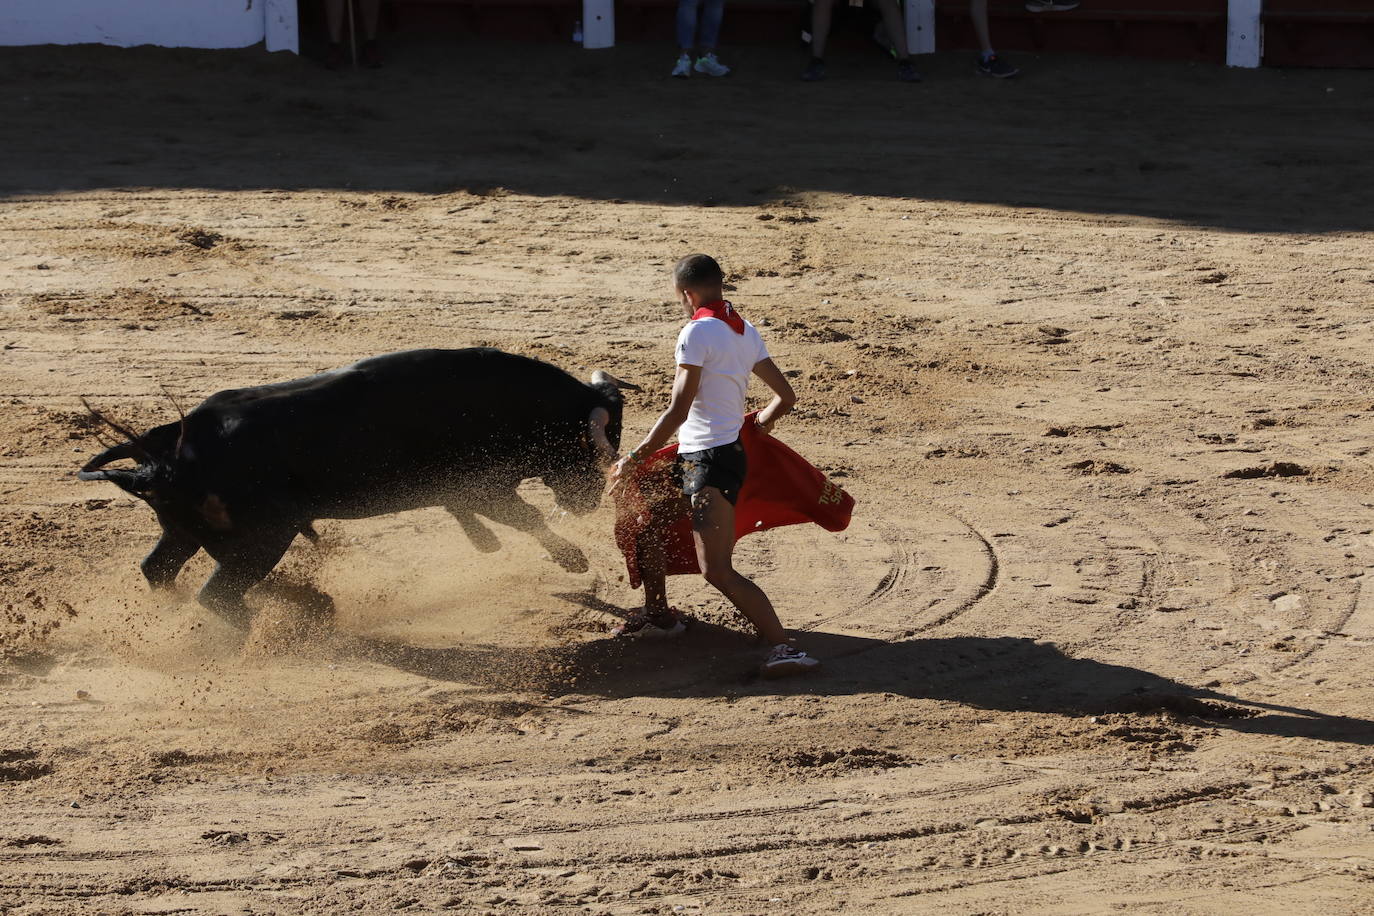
(1244,33)
(283,29)
(598,23)
(920,26)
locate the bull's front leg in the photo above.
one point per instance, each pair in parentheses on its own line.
(242,564)
(520,515)
(173,549)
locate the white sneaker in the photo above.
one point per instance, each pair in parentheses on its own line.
(683,68)
(784,660)
(708,64)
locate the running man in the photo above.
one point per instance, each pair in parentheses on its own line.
(716,354)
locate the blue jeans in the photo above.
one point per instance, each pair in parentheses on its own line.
(688,31)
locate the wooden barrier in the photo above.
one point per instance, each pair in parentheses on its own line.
(1294,32)
(1318,33)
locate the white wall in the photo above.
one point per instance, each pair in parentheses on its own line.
(171,23)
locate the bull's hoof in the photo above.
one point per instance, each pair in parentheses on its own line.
(571,559)
(241,622)
(238,625)
(240,618)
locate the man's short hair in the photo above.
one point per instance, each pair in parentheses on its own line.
(698,271)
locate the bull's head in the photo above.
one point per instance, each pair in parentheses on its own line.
(578,485)
(153,453)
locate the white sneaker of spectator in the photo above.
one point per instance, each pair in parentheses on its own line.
(708,64)
(683,68)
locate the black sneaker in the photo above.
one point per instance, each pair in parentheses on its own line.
(372,55)
(907,73)
(1051,6)
(814,72)
(995,67)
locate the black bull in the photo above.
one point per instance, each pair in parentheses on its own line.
(250,468)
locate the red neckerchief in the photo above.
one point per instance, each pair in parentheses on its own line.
(722,310)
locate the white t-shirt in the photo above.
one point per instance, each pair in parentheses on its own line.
(726,360)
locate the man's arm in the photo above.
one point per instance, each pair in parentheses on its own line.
(784,399)
(685,384)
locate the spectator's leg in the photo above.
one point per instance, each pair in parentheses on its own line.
(334,19)
(896,28)
(820,27)
(371,11)
(687,25)
(711,14)
(978,12)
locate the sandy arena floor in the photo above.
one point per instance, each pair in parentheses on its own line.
(1091,348)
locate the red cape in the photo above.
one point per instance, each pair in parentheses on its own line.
(782,488)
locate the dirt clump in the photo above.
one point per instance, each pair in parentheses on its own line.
(1273,469)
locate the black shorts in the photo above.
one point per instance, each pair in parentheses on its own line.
(723,467)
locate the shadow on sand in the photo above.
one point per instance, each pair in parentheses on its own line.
(997,673)
(1258,150)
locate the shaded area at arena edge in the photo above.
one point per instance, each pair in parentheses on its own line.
(1255,150)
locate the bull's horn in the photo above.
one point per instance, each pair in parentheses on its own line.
(114,453)
(596,425)
(601,377)
(130,482)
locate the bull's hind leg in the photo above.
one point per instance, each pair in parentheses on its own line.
(242,566)
(173,549)
(521,516)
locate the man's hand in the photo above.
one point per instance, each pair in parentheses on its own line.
(783,395)
(621,472)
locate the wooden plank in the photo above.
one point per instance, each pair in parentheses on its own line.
(598,24)
(920,26)
(283,27)
(1244,35)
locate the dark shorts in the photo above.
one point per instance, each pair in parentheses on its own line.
(723,467)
